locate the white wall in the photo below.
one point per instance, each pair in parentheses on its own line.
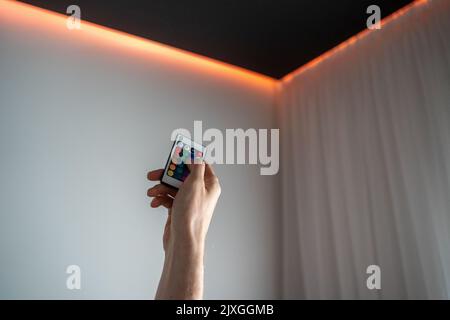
(82,120)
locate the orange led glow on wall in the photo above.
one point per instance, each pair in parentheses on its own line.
(33,16)
(344,45)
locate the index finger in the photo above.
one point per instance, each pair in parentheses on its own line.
(155,175)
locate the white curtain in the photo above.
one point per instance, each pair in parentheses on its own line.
(366,165)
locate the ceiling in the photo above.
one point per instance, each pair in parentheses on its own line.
(271,37)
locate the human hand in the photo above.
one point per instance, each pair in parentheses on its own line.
(190,208)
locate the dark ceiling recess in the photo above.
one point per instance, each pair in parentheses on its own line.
(272,37)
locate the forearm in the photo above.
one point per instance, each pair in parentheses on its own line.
(182,276)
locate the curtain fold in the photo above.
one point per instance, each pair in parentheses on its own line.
(366,165)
